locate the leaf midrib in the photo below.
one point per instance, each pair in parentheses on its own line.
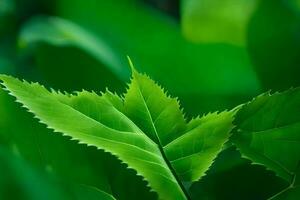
(161,147)
(123,132)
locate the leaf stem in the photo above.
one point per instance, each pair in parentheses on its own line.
(174,173)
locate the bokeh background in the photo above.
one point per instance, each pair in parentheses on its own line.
(212,54)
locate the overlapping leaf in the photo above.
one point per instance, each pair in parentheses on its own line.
(192,154)
(268,132)
(94,120)
(150,108)
(136,132)
(190,148)
(72,162)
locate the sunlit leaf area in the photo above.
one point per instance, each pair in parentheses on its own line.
(149,100)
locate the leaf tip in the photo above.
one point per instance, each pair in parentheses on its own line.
(131,65)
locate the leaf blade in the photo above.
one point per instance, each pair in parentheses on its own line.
(130,145)
(200,145)
(163,118)
(267,130)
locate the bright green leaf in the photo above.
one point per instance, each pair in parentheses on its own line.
(158,115)
(65,158)
(101,125)
(200,145)
(190,148)
(137,130)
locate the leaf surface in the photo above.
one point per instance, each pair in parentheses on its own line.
(193,153)
(143,129)
(65,158)
(268,132)
(190,148)
(158,115)
(87,117)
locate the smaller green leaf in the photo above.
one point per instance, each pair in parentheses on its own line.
(193,153)
(93,120)
(268,132)
(190,148)
(158,115)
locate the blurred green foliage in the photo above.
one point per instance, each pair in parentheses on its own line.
(212,54)
(217,21)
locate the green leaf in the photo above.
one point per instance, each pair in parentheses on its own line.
(200,145)
(217,20)
(141,129)
(65,158)
(158,115)
(80,55)
(268,132)
(101,125)
(190,148)
(243,180)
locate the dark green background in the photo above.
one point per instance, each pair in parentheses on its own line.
(206,76)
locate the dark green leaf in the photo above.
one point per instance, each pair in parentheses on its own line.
(268,132)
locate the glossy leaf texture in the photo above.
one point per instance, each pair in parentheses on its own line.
(267,132)
(65,158)
(114,132)
(135,129)
(192,153)
(190,148)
